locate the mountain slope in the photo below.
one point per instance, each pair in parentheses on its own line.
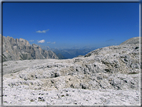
(20,49)
(134,40)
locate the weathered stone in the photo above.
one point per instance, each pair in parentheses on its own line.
(107,76)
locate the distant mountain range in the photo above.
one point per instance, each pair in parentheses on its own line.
(70,52)
(20,49)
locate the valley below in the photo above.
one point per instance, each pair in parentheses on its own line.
(105,76)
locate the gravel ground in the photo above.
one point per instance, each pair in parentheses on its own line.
(22,95)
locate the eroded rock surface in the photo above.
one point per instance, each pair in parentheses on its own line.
(106,76)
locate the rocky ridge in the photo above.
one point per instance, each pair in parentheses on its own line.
(134,40)
(20,49)
(106,76)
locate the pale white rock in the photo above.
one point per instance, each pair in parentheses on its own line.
(106,76)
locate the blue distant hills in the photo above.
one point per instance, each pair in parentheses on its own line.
(70,52)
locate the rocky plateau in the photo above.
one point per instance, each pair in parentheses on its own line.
(106,76)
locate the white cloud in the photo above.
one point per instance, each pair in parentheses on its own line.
(41,41)
(43,31)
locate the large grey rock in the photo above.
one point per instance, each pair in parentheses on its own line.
(20,49)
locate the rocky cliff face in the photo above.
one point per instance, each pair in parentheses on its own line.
(20,49)
(106,76)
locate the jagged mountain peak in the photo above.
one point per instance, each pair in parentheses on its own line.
(35,45)
(20,49)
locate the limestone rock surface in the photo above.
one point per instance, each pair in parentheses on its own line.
(106,76)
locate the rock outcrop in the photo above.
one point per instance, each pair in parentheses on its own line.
(106,76)
(20,49)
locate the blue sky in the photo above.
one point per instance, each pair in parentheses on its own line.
(71,24)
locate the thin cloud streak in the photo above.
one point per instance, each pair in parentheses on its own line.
(31,40)
(51,42)
(43,31)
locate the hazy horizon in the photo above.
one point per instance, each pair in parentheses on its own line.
(67,25)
